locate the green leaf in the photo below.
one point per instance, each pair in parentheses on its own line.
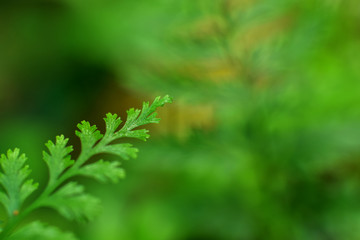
(27,188)
(88,134)
(148,114)
(93,142)
(139,134)
(71,202)
(59,158)
(39,231)
(103,171)
(131,120)
(12,179)
(112,122)
(124,150)
(69,199)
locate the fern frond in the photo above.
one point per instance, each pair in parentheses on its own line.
(12,178)
(67,197)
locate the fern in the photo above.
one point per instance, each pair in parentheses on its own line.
(67,197)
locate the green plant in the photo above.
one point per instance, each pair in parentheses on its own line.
(61,193)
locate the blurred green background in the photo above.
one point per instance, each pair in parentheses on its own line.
(262,141)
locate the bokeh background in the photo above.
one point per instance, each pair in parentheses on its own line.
(262,140)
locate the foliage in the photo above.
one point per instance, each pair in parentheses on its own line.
(62,193)
(278,155)
(282,159)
